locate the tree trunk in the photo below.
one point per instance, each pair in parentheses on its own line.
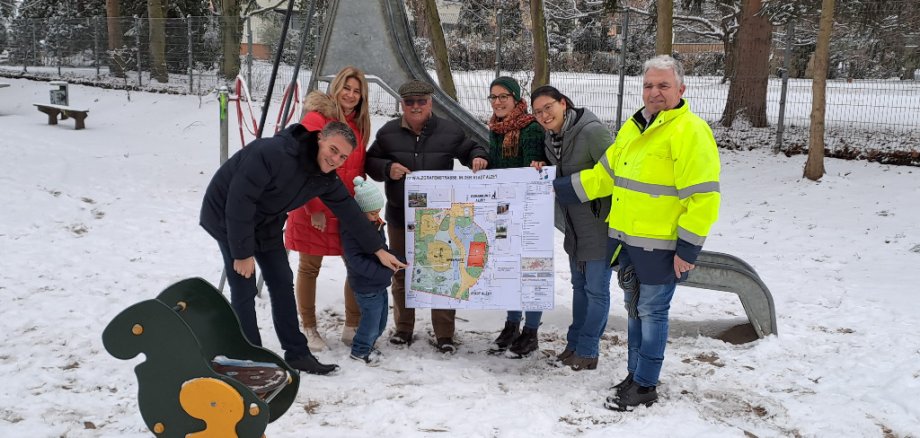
(439,47)
(156,14)
(231,32)
(419,13)
(814,166)
(747,94)
(729,46)
(540,47)
(113,12)
(663,35)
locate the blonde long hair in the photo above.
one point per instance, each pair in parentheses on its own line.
(362,114)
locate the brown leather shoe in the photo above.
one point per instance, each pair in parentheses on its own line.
(578,363)
(565,355)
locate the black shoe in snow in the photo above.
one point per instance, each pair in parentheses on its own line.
(525,344)
(446,345)
(401,338)
(632,397)
(506,337)
(310,365)
(372,359)
(620,387)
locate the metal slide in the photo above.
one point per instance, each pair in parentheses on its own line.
(374,36)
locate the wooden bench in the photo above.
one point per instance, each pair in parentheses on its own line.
(79,115)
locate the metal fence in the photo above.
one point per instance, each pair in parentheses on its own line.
(587,62)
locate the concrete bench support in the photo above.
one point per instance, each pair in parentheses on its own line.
(53,111)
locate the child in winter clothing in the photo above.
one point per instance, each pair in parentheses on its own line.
(367,276)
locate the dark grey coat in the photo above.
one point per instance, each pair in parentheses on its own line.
(583,145)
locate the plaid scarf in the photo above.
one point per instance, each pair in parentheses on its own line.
(511,127)
(555,138)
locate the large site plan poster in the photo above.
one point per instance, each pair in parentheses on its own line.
(480,240)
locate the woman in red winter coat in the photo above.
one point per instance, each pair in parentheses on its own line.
(313,230)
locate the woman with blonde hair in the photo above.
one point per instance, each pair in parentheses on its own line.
(313,230)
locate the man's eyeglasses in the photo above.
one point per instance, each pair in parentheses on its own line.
(500,97)
(545,110)
(420,101)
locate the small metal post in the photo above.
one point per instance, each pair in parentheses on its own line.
(191,58)
(57,52)
(620,96)
(94,23)
(224,98)
(498,43)
(137,39)
(249,51)
(34,40)
(781,118)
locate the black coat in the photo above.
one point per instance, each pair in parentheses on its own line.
(247,201)
(440,143)
(365,273)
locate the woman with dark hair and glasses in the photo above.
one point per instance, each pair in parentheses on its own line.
(515,140)
(576,140)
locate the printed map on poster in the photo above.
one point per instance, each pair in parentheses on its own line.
(480,241)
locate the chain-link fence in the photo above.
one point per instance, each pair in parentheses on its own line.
(870,104)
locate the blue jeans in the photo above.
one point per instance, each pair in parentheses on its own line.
(532,321)
(374,309)
(590,306)
(647,335)
(280,281)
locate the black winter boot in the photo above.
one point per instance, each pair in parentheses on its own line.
(632,397)
(310,365)
(620,387)
(525,344)
(507,336)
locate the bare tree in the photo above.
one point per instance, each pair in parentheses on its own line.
(723,28)
(664,34)
(540,46)
(814,165)
(747,94)
(113,12)
(231,32)
(418,8)
(439,47)
(156,14)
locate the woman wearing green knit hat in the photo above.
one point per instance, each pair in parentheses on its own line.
(515,140)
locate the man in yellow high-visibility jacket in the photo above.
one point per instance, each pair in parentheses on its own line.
(662,172)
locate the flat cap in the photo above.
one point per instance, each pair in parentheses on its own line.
(415,87)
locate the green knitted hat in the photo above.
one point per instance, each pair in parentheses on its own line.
(509,84)
(367,195)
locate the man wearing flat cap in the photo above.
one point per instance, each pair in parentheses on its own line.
(418,140)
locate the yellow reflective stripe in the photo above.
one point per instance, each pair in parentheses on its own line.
(579,188)
(647,188)
(604,162)
(646,243)
(692,238)
(706,187)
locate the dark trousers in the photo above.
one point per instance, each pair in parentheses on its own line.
(441,319)
(280,281)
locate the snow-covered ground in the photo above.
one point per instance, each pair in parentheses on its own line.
(96,220)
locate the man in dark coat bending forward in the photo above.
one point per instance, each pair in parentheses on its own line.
(245,207)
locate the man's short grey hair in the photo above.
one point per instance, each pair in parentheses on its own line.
(338,128)
(665,62)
